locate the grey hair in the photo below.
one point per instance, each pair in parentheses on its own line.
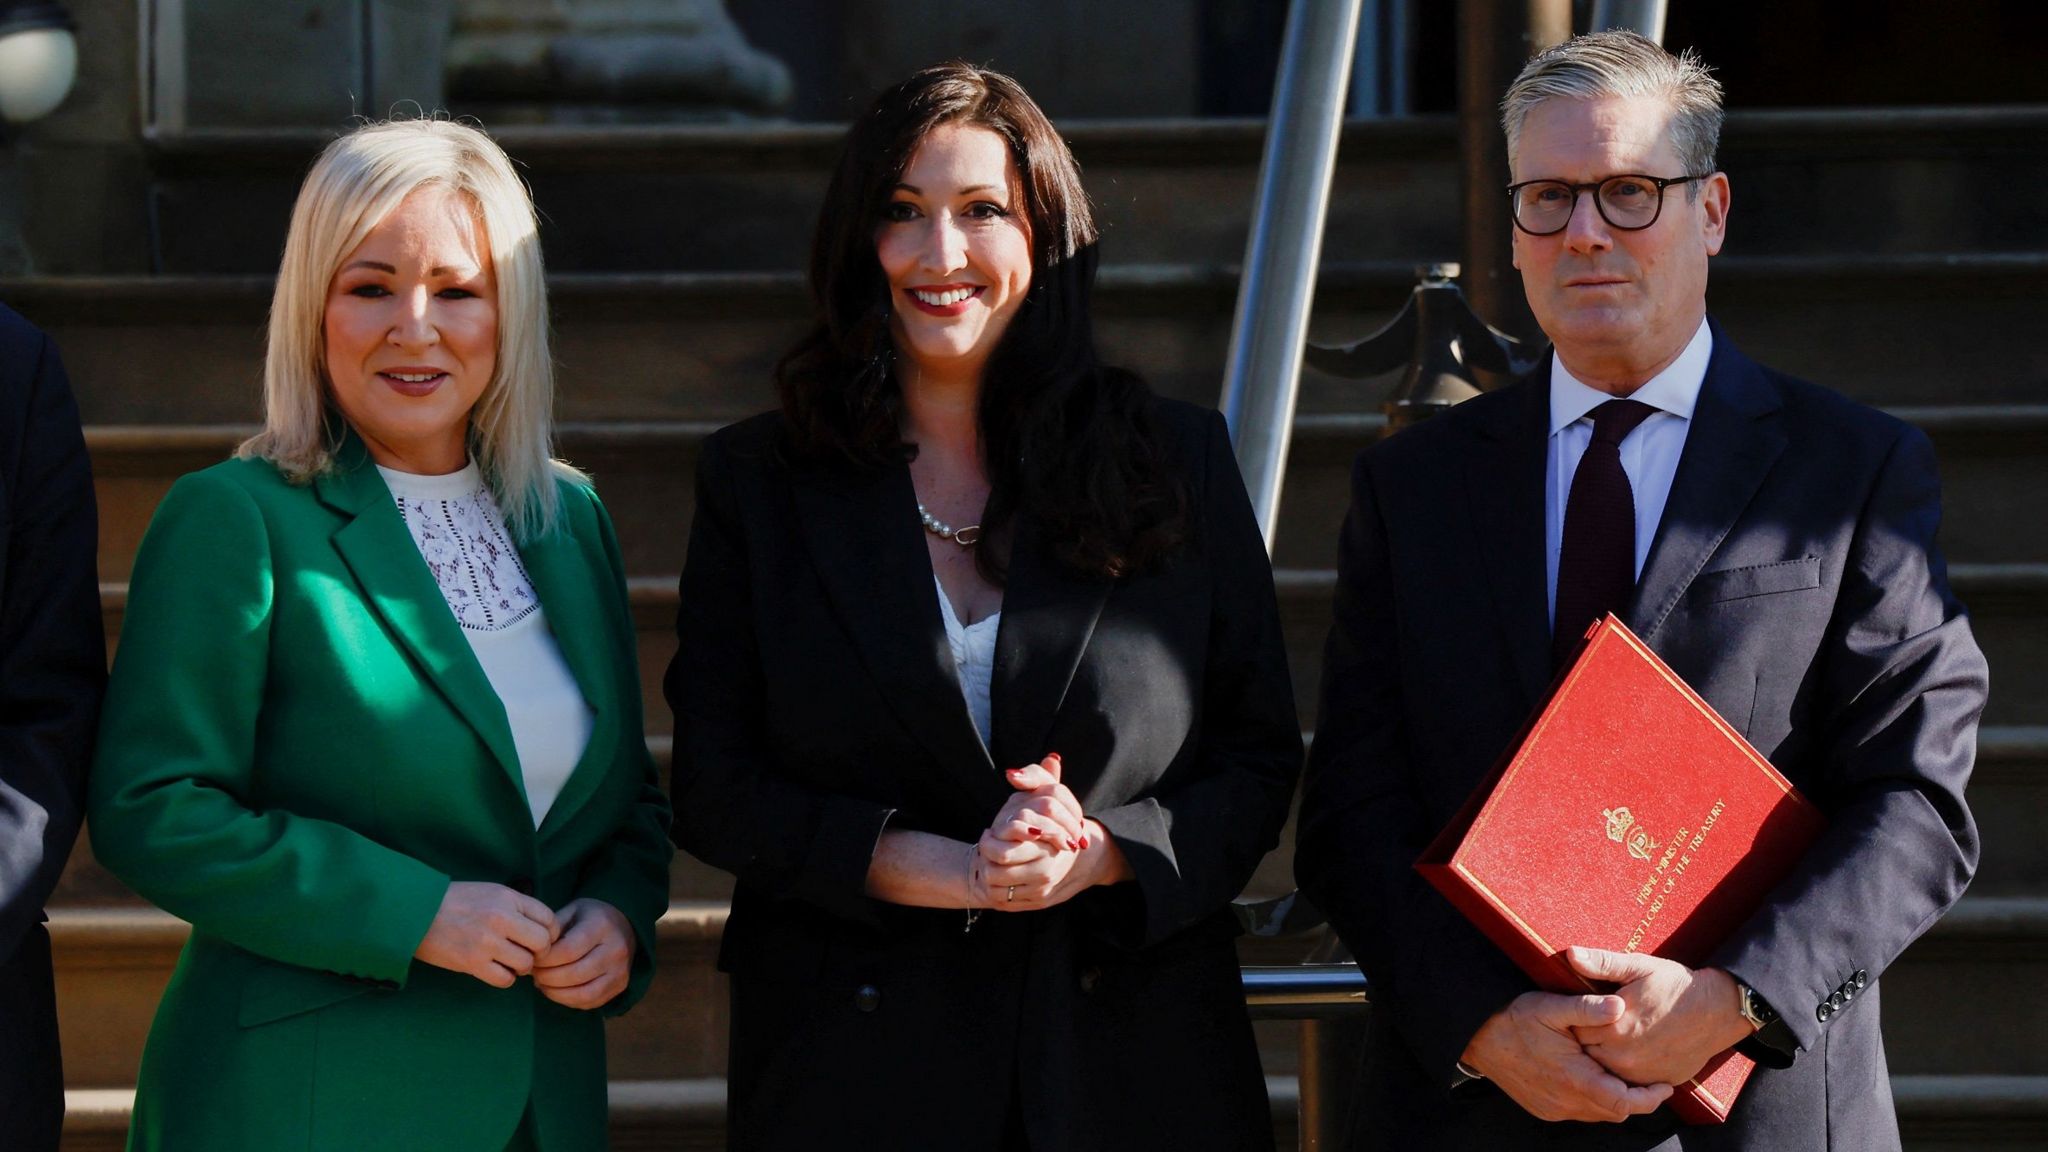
(354,184)
(1622,63)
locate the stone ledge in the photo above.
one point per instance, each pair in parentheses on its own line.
(701,1102)
(1892,132)
(114,934)
(116,445)
(202,295)
(140,935)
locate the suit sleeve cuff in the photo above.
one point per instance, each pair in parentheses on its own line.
(835,866)
(1145,915)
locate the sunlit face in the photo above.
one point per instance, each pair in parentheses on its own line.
(1618,305)
(956,248)
(411,329)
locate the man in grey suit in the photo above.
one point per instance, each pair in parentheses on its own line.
(52,670)
(1771,540)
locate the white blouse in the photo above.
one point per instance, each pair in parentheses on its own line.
(974,657)
(455,522)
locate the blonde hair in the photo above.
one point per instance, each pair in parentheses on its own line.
(352,187)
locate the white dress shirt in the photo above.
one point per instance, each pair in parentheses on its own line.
(1649,454)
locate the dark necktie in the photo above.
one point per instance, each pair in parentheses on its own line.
(1596,562)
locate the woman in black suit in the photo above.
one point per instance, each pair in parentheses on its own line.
(980,691)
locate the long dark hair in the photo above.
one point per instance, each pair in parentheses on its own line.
(1068,442)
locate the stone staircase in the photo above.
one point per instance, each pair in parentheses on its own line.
(1920,289)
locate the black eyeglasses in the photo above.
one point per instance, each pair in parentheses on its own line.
(1629,202)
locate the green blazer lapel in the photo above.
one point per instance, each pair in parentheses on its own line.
(381,555)
(568,586)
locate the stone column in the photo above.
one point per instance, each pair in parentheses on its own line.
(607,61)
(292,63)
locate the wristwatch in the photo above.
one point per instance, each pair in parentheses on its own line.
(1759,1014)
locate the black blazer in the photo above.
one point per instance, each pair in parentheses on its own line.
(1795,583)
(52,671)
(816,704)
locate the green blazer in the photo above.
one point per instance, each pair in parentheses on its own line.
(298,753)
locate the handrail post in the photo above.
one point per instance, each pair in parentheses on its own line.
(1278,281)
(1645,17)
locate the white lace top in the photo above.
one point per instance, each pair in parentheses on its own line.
(974,658)
(460,533)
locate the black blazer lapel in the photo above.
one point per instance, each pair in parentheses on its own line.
(1049,615)
(1735,438)
(1504,484)
(387,565)
(869,551)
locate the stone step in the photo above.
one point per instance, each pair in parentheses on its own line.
(733,197)
(1964,1009)
(2009,797)
(113,963)
(1967,997)
(2010,790)
(87,885)
(2008,610)
(1891,330)
(646,472)
(646,1116)
(1992,458)
(1989,1113)
(1936,1114)
(2008,613)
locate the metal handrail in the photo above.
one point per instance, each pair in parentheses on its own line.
(1643,16)
(1304,991)
(1278,283)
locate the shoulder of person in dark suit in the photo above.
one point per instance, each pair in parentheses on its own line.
(52,648)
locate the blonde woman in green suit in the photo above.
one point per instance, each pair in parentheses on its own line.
(374,728)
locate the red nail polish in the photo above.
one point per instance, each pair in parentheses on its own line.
(1033,833)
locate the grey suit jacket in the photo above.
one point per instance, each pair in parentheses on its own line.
(1794,581)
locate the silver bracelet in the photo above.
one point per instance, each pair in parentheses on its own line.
(973,914)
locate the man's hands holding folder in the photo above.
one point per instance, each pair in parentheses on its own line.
(1531,1050)
(1675,1018)
(1606,1058)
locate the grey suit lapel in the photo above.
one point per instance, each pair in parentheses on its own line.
(1735,438)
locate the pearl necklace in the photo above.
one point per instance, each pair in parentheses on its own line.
(966,537)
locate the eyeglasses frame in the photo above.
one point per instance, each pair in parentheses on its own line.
(1662,183)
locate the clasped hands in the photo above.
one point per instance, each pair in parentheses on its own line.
(1609,1057)
(579,957)
(1041,848)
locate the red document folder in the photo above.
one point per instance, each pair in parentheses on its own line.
(1629,817)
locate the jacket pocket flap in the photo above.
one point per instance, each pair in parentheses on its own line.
(275,992)
(1757,580)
